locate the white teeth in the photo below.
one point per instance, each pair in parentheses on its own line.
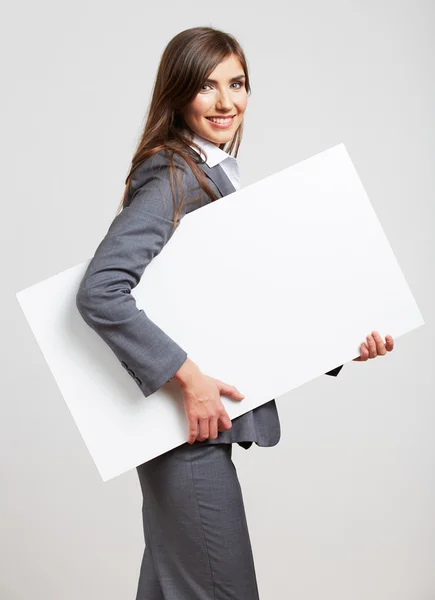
(222,121)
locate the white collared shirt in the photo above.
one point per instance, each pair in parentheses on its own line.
(217,156)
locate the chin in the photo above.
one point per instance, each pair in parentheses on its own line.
(221,139)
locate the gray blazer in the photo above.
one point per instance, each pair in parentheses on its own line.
(136,235)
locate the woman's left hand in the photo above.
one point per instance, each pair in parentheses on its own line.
(375,346)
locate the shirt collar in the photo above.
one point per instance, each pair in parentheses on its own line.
(215,155)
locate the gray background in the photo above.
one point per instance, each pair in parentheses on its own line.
(343,506)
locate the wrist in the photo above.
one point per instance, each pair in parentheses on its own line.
(186,372)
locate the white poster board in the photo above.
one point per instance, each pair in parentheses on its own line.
(285,264)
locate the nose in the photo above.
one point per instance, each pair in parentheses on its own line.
(224,102)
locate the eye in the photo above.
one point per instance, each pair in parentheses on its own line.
(238,83)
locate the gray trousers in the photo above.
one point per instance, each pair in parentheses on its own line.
(197,545)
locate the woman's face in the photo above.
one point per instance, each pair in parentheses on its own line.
(223,95)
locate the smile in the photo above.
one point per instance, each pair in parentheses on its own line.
(221,121)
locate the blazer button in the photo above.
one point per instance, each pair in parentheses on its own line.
(124,364)
(138,381)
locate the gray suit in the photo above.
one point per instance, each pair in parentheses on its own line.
(195,529)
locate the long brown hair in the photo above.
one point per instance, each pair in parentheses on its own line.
(186,62)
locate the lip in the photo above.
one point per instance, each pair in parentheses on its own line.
(221,125)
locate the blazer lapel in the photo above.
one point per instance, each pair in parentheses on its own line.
(219,178)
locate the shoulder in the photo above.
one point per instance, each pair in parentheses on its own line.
(152,180)
(155,171)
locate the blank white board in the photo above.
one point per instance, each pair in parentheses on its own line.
(266,289)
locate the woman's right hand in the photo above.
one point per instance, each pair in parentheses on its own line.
(202,402)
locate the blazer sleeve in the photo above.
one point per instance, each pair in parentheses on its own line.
(136,235)
(335,371)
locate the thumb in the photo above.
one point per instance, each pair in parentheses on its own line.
(229,390)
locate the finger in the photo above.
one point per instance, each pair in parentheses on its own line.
(365,350)
(225,421)
(203,429)
(364,353)
(213,428)
(372,346)
(380,346)
(222,427)
(389,343)
(229,390)
(192,431)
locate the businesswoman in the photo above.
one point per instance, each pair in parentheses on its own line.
(196,534)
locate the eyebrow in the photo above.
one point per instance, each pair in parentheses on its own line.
(232,79)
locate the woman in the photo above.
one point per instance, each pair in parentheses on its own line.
(197,540)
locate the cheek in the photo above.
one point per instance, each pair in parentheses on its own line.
(242,103)
(201,106)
